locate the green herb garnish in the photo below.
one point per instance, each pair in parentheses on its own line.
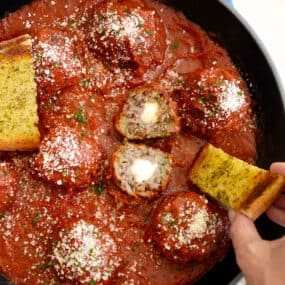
(80,117)
(98,188)
(36,218)
(176,45)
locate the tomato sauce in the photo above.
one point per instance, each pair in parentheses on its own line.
(84,70)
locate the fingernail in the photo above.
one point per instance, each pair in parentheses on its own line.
(232,215)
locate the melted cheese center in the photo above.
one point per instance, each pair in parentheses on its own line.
(150,113)
(143,170)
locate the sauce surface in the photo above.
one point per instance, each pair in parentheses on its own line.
(88,55)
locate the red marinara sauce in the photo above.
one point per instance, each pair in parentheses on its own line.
(58,222)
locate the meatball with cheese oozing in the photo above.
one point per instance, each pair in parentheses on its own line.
(141,171)
(86,254)
(187,227)
(147,114)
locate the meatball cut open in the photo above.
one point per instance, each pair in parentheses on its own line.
(85,254)
(141,171)
(147,114)
(187,227)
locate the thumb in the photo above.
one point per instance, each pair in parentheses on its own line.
(278,168)
(243,231)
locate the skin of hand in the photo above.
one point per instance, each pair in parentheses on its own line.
(277,211)
(262,262)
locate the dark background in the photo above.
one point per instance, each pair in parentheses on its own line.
(256,68)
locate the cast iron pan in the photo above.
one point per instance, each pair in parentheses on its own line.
(233,33)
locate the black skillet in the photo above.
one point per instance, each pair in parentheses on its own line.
(233,33)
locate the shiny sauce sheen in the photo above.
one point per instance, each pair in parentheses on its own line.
(82,86)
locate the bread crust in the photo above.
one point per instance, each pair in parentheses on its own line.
(257,191)
(18,92)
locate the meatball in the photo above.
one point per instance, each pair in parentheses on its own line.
(214,99)
(59,59)
(7,187)
(148,113)
(67,159)
(187,227)
(125,34)
(86,254)
(141,171)
(77,108)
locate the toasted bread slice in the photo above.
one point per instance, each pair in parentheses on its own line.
(18,92)
(235,183)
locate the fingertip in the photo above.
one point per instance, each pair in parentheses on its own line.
(232,215)
(243,230)
(278,168)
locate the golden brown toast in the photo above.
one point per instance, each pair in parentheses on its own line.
(235,183)
(18,92)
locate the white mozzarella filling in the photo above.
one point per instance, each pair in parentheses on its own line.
(149,114)
(143,170)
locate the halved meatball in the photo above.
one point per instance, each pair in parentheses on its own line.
(147,114)
(86,254)
(187,227)
(141,171)
(67,159)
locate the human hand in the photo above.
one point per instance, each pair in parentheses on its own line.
(261,261)
(277,211)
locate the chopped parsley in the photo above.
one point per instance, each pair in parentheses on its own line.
(212,113)
(100,235)
(5,172)
(101,17)
(239,93)
(109,271)
(127,11)
(98,188)
(145,218)
(176,45)
(140,26)
(86,83)
(173,223)
(50,264)
(179,82)
(80,117)
(64,172)
(201,100)
(55,64)
(164,214)
(201,85)
(92,282)
(220,83)
(149,32)
(36,218)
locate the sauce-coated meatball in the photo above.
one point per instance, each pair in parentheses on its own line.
(67,159)
(59,59)
(187,227)
(126,35)
(214,99)
(86,254)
